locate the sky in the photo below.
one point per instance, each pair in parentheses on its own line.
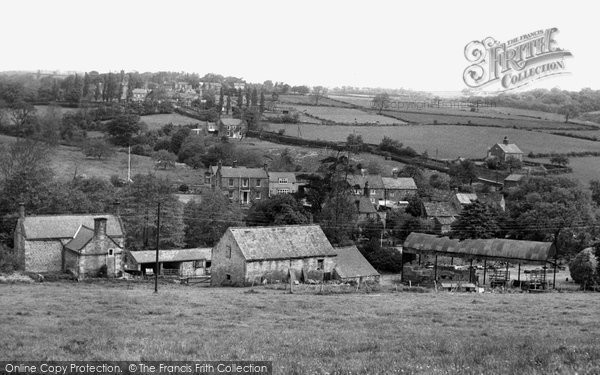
(415,45)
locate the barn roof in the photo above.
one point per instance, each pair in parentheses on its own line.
(65,226)
(176,255)
(282,242)
(490,248)
(349,262)
(510,148)
(399,183)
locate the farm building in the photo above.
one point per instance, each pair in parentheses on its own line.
(366,209)
(498,249)
(505,151)
(397,189)
(513,180)
(282,183)
(254,254)
(441,214)
(177,262)
(370,185)
(351,265)
(81,244)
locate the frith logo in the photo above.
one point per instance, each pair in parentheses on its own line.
(515,63)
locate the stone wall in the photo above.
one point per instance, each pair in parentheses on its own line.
(43,256)
(234,266)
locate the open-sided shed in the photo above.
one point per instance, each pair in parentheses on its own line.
(484,249)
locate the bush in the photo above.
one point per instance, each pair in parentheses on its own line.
(117,181)
(9,262)
(584,268)
(143,150)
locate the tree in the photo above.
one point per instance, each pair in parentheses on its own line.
(22,114)
(192,150)
(206,222)
(228,105)
(140,201)
(221,100)
(381,101)
(584,268)
(355,142)
(302,90)
(262,102)
(283,163)
(254,98)
(476,220)
(415,206)
(123,128)
(559,160)
(464,172)
(178,138)
(339,216)
(595,187)
(50,123)
(164,159)
(240,99)
(569,111)
(281,209)
(318,92)
(97,148)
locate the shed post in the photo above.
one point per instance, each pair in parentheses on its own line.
(507,277)
(519,274)
(554,276)
(484,269)
(435,269)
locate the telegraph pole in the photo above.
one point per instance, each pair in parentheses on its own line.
(156,269)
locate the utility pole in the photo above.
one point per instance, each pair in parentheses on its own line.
(156,269)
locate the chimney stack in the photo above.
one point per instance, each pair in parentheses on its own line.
(21,210)
(266,167)
(367,191)
(100,227)
(234,163)
(505,141)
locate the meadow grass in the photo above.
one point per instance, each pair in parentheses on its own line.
(393,332)
(156,122)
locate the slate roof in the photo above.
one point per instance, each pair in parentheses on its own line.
(243,172)
(375,181)
(510,148)
(349,263)
(364,205)
(275,176)
(176,255)
(65,226)
(439,209)
(491,248)
(81,238)
(227,121)
(399,183)
(282,242)
(514,177)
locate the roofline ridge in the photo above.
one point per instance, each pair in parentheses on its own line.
(277,226)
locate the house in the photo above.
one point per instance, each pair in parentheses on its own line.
(505,151)
(461,200)
(366,209)
(241,184)
(178,262)
(398,189)
(81,244)
(139,95)
(282,183)
(251,255)
(233,128)
(441,214)
(370,184)
(351,265)
(513,180)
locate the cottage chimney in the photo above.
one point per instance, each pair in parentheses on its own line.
(505,141)
(100,227)
(21,210)
(266,167)
(367,191)
(234,163)
(363,172)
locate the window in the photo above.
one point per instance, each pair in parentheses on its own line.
(207,180)
(356,191)
(283,191)
(231,182)
(373,191)
(198,264)
(320,264)
(283,180)
(228,251)
(227,276)
(244,182)
(258,195)
(111,252)
(257,182)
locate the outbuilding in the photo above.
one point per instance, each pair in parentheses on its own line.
(176,262)
(351,265)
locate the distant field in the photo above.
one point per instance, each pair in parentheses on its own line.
(307,99)
(41,109)
(158,121)
(449,141)
(346,115)
(382,333)
(584,169)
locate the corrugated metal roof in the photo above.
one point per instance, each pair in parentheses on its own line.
(65,226)
(349,262)
(399,183)
(176,255)
(439,209)
(83,236)
(375,181)
(491,248)
(282,242)
(243,172)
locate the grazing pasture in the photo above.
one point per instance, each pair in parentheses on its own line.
(384,333)
(155,122)
(310,100)
(347,115)
(585,168)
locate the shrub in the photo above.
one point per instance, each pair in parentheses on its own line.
(117,181)
(143,150)
(103,271)
(9,262)
(584,268)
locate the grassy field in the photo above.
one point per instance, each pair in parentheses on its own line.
(347,115)
(450,141)
(585,169)
(158,121)
(426,333)
(307,99)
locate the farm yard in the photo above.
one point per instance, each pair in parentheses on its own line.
(379,332)
(346,115)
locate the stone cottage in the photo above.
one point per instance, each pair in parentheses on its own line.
(81,244)
(250,255)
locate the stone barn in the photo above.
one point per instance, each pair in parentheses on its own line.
(351,265)
(79,243)
(251,255)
